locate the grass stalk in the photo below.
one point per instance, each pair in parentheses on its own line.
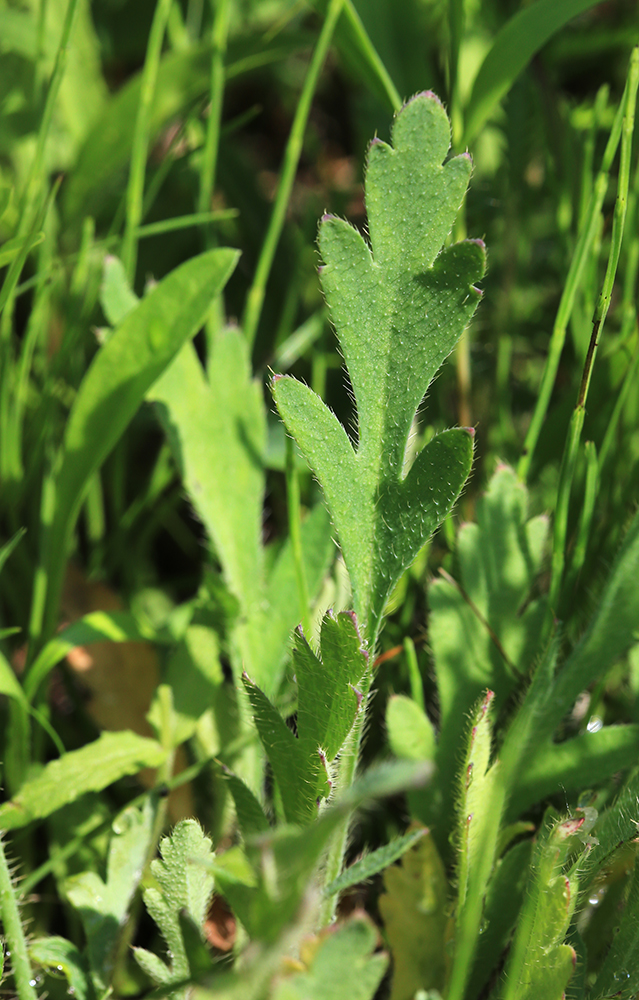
(219,35)
(257,291)
(141,137)
(579,260)
(571,451)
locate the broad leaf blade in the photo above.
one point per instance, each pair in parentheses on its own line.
(90,769)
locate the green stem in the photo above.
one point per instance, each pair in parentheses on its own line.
(349,759)
(14,933)
(255,298)
(295,533)
(141,136)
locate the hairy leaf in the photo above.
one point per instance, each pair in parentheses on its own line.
(399,306)
(184,890)
(103,905)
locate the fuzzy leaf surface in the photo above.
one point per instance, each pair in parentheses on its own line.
(399,306)
(327,705)
(184,888)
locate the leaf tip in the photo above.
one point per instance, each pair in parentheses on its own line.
(429,95)
(470,431)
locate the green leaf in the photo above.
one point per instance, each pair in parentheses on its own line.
(250,815)
(476,814)
(503,901)
(375,862)
(195,676)
(9,683)
(342,967)
(515,45)
(60,955)
(414,910)
(281,748)
(121,373)
(398,309)
(184,888)
(410,732)
(619,974)
(327,694)
(8,547)
(581,762)
(284,859)
(484,631)
(103,906)
(95,766)
(328,702)
(610,634)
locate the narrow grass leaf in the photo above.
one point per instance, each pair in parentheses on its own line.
(398,312)
(114,626)
(11,248)
(94,767)
(515,45)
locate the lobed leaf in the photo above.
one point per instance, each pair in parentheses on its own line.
(185,886)
(398,310)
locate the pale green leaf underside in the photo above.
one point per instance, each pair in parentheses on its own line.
(399,306)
